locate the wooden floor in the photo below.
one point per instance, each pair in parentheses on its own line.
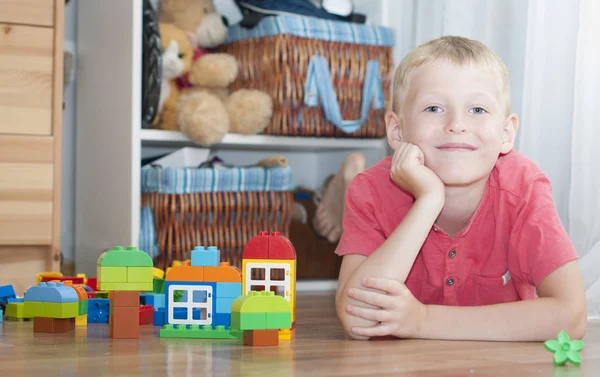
(320,349)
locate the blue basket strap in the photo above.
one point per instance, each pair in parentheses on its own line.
(318,86)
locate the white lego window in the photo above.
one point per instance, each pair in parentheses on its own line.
(195,305)
(268,277)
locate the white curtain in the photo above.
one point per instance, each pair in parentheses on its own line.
(552,53)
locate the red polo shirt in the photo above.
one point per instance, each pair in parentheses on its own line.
(512,242)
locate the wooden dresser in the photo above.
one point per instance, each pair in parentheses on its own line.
(31,96)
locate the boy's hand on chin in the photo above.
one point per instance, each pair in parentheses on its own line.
(399,313)
(408,170)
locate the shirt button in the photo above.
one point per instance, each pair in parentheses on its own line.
(452,253)
(450,281)
(435,229)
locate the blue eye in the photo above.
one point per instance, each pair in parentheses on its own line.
(479,110)
(433,109)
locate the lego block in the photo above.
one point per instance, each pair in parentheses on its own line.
(146,315)
(6,292)
(112,275)
(82,307)
(124,323)
(221,319)
(186,273)
(204,257)
(279,320)
(15,299)
(157,273)
(249,321)
(101,294)
(61,310)
(81,321)
(128,257)
(155,300)
(224,304)
(257,247)
(1,315)
(125,299)
(285,334)
(98,310)
(198,332)
(260,301)
(229,289)
(222,273)
(261,338)
(16,311)
(281,247)
(160,317)
(158,285)
(52,325)
(140,287)
(34,309)
(139,275)
(51,292)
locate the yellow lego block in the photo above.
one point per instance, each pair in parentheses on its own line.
(112,274)
(81,320)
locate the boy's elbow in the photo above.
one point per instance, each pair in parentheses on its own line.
(347,321)
(576,321)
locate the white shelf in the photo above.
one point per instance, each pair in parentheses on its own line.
(163,138)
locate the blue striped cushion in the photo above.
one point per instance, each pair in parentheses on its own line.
(190,180)
(316,28)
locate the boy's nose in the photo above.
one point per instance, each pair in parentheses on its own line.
(456,125)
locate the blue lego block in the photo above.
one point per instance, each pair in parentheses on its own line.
(229,290)
(160,317)
(156,300)
(51,292)
(98,310)
(221,319)
(224,304)
(206,257)
(1,315)
(15,299)
(6,292)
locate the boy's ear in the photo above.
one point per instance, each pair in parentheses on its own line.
(509,133)
(393,127)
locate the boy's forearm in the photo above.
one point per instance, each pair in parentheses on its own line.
(395,257)
(529,320)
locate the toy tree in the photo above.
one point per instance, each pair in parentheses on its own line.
(124,273)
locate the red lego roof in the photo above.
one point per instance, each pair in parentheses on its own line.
(273,246)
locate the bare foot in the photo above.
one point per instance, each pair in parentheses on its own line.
(330,211)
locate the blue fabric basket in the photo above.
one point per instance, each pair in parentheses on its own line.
(326,78)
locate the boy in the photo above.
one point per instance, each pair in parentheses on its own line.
(456,235)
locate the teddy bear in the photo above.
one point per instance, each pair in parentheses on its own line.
(206,109)
(176,61)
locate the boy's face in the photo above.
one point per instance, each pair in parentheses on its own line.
(456,116)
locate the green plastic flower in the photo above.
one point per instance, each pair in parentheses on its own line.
(565,349)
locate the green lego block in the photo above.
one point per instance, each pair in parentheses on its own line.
(16,311)
(260,302)
(197,332)
(139,275)
(100,294)
(83,307)
(279,320)
(142,287)
(158,285)
(33,309)
(249,321)
(61,310)
(112,274)
(128,257)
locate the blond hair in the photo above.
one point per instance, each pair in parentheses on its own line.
(457,50)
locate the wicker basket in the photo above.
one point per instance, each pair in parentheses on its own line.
(226,219)
(326,78)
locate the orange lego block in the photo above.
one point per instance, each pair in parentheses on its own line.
(125,322)
(81,292)
(261,337)
(225,273)
(124,299)
(185,272)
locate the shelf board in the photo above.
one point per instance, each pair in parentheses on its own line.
(163,138)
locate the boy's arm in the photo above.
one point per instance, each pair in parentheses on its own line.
(387,261)
(561,306)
